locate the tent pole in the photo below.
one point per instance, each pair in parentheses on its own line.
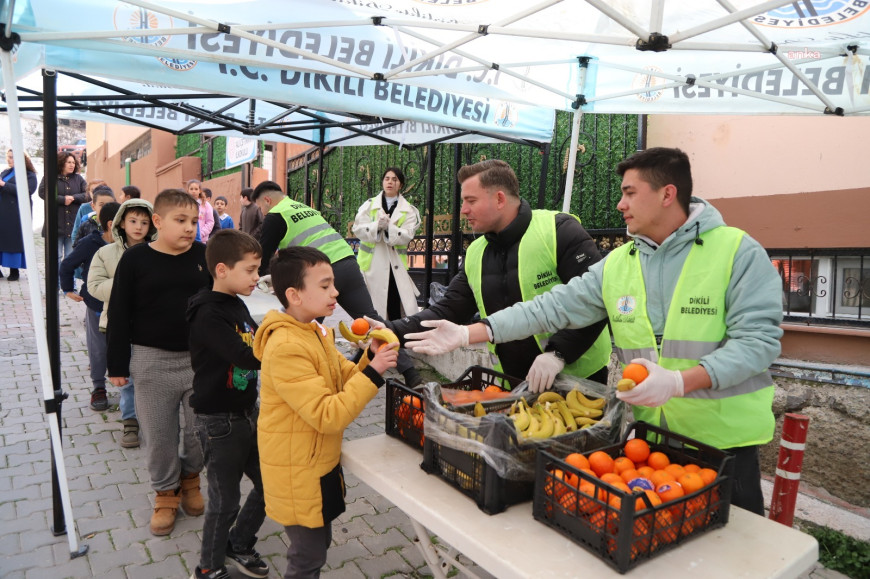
(320,151)
(456,242)
(542,182)
(430,212)
(52,403)
(575,134)
(52,253)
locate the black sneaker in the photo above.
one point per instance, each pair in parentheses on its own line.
(220,573)
(248,562)
(99,401)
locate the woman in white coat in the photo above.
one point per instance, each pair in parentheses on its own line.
(385,224)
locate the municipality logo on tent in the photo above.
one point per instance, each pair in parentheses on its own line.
(813,13)
(649,81)
(134,18)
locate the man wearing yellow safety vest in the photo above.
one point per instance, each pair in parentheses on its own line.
(522,253)
(287,223)
(697,303)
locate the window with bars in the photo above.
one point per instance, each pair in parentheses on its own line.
(830,286)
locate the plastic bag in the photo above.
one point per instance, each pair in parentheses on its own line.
(495,438)
(436,292)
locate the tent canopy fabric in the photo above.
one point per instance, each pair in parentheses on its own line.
(181,111)
(482,64)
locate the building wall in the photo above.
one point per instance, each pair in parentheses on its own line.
(790,182)
(751,156)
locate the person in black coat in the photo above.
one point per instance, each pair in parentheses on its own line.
(72,191)
(11,239)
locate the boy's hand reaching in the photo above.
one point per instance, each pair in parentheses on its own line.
(386,355)
(117,380)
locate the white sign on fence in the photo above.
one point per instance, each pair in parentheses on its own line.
(240,151)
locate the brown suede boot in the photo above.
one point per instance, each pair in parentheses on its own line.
(191,498)
(165,510)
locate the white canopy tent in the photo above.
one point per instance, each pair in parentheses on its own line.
(486,66)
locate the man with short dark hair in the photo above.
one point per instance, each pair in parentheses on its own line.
(522,253)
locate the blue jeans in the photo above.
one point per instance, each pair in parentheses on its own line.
(64,248)
(96,343)
(128,400)
(229,446)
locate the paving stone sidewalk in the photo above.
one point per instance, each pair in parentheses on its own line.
(109,486)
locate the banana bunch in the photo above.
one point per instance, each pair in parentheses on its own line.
(553,415)
(383,334)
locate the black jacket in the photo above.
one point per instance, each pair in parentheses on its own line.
(74,185)
(81,256)
(575,253)
(221,352)
(11,240)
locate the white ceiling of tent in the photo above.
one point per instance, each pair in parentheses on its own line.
(725,56)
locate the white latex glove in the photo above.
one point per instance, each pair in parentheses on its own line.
(543,371)
(660,386)
(384,223)
(264,284)
(446,337)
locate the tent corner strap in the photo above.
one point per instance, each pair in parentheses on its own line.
(655,43)
(8,42)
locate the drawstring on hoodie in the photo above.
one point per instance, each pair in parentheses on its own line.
(698,240)
(633,249)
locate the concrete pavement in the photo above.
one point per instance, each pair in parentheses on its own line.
(109,487)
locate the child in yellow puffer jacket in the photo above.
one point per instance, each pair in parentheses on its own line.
(309,394)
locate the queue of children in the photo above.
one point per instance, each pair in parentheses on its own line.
(164,312)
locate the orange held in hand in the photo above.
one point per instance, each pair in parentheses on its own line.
(360,327)
(635,372)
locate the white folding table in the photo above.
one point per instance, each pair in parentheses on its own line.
(513,544)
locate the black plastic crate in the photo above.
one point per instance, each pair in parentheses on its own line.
(469,471)
(622,534)
(404,414)
(406,407)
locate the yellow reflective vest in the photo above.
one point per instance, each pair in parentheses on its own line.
(695,326)
(538,274)
(306,226)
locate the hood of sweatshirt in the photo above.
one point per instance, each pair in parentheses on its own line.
(702,217)
(119,218)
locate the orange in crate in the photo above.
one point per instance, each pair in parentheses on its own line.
(586,503)
(600,462)
(578,461)
(658,460)
(636,450)
(708,475)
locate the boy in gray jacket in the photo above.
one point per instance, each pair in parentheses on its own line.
(131,226)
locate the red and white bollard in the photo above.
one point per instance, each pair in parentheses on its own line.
(788,468)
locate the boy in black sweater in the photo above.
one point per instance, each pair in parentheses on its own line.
(80,259)
(147,308)
(225,402)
